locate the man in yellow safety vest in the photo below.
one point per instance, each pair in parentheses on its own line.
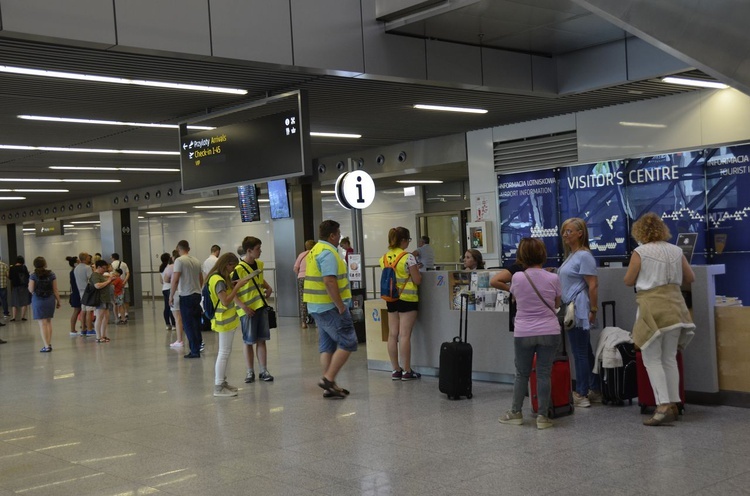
(328,297)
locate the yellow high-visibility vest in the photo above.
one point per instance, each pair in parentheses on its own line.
(408,291)
(225,317)
(314,287)
(248,294)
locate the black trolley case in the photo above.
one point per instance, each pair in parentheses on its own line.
(619,384)
(456,359)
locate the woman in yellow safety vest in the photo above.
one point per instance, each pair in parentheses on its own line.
(402,314)
(225,320)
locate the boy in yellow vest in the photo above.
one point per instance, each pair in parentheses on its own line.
(328,297)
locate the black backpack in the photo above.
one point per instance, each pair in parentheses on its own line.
(43,287)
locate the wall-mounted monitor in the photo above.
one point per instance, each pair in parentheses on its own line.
(264,140)
(278,197)
(248,198)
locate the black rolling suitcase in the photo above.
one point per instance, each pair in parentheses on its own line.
(456,358)
(619,384)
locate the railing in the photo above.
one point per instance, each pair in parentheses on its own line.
(373,284)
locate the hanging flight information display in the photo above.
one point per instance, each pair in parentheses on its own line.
(267,139)
(248,198)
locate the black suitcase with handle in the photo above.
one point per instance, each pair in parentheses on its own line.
(456,359)
(619,384)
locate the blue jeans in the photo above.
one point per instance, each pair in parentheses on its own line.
(4,297)
(190,309)
(545,348)
(583,357)
(168,317)
(335,330)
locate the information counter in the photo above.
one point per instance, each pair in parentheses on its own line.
(438,322)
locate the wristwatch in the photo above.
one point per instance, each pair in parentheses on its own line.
(593,310)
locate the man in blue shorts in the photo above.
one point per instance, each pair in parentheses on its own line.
(328,296)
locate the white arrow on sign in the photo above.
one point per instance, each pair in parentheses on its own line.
(184,146)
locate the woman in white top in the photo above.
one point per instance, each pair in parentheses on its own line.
(166,261)
(166,277)
(663,324)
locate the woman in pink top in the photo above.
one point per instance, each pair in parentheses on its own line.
(300,266)
(537,331)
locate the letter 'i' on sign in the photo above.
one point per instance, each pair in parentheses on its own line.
(355,190)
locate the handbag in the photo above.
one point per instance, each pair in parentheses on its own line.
(91,296)
(269,309)
(569,315)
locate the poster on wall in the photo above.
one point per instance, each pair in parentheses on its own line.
(595,193)
(528,208)
(672,186)
(728,184)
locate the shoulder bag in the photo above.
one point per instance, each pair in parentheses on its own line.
(269,309)
(91,296)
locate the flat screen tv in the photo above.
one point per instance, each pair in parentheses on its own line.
(279,199)
(248,198)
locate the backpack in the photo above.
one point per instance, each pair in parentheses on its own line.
(43,287)
(209,307)
(388,282)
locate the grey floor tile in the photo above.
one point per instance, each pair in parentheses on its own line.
(134,417)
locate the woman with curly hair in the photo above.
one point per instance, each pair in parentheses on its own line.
(663,323)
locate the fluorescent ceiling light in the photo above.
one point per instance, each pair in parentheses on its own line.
(87,150)
(450,109)
(29,229)
(419,181)
(263,200)
(214,206)
(167,213)
(108,123)
(141,217)
(67,225)
(642,124)
(112,169)
(85,221)
(39,180)
(328,192)
(694,82)
(35,190)
(336,135)
(107,79)
(12,197)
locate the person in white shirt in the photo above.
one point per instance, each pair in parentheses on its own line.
(209,263)
(425,254)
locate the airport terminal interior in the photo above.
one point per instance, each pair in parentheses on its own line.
(127,126)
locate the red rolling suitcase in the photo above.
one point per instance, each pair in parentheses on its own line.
(646,392)
(562,392)
(454,375)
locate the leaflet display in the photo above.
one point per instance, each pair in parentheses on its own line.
(264,140)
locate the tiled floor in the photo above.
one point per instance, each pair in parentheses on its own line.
(133,417)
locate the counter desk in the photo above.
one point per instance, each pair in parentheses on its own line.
(489,334)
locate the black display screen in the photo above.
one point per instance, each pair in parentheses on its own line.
(248,197)
(264,140)
(279,199)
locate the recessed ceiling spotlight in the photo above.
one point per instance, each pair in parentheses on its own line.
(694,82)
(450,109)
(115,80)
(73,120)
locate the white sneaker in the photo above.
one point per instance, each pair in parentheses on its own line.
(542,422)
(176,344)
(594,396)
(580,401)
(227,386)
(222,390)
(512,418)
(169,328)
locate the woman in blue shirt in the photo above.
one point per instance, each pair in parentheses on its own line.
(580,284)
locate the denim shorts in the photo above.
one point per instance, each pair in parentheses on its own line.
(255,328)
(335,329)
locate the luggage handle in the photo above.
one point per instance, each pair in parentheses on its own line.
(605,304)
(463,321)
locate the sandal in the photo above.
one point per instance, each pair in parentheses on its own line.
(106,339)
(332,389)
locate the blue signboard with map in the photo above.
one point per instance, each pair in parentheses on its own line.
(528,208)
(595,193)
